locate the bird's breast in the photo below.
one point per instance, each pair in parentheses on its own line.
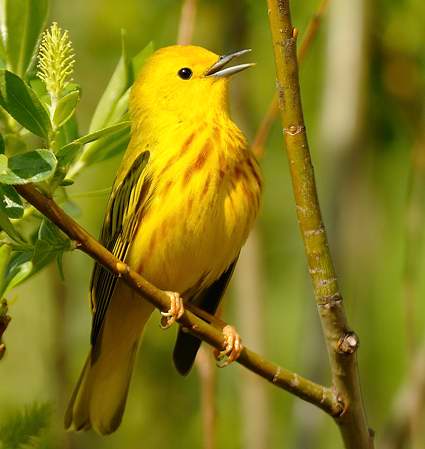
(201,209)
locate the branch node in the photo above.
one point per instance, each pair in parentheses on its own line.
(329,301)
(326,282)
(293,130)
(122,268)
(314,271)
(343,407)
(295,381)
(294,33)
(317,231)
(348,343)
(276,375)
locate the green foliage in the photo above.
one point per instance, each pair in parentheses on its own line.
(23,21)
(10,202)
(18,268)
(23,430)
(7,227)
(67,153)
(31,166)
(118,85)
(65,108)
(104,147)
(51,244)
(22,103)
(43,106)
(111,109)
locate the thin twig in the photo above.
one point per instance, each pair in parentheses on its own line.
(263,131)
(341,342)
(316,394)
(272,112)
(311,30)
(187,22)
(4,323)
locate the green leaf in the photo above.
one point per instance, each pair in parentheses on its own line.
(32,166)
(65,108)
(50,245)
(110,130)
(14,144)
(19,268)
(67,153)
(5,253)
(24,263)
(22,429)
(21,23)
(118,84)
(3,55)
(59,264)
(8,228)
(21,102)
(106,147)
(52,235)
(39,87)
(120,111)
(138,61)
(3,162)
(67,133)
(10,202)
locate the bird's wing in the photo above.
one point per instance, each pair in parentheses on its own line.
(208,299)
(126,203)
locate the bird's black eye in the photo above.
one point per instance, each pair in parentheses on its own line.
(185,73)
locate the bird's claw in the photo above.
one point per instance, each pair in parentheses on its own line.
(233,347)
(175,312)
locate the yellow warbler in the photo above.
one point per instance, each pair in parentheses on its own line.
(184,199)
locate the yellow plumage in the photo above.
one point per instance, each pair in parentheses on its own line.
(183,202)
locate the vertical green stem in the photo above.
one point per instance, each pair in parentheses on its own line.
(341,342)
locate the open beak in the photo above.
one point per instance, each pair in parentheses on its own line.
(220,70)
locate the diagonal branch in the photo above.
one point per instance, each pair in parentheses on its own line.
(341,342)
(316,394)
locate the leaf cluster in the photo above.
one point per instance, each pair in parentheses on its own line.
(40,141)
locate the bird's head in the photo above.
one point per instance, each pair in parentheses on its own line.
(185,82)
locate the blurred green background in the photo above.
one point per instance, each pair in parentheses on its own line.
(363,93)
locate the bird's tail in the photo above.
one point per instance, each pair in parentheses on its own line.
(185,351)
(99,398)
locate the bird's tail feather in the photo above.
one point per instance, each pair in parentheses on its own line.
(99,398)
(185,351)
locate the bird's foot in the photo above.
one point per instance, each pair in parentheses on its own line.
(175,312)
(233,347)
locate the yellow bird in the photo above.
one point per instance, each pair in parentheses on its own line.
(183,202)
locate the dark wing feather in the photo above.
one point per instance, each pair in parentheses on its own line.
(187,345)
(124,211)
